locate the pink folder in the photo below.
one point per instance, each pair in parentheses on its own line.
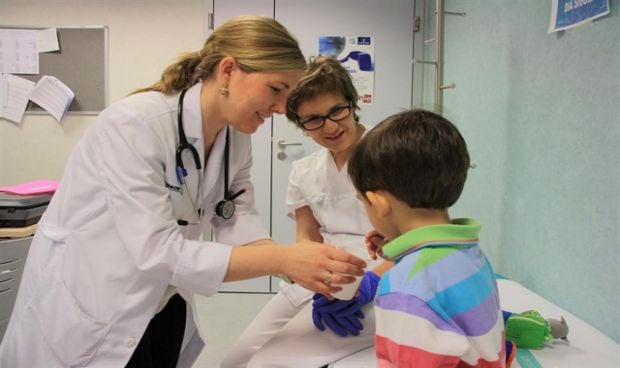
(33,187)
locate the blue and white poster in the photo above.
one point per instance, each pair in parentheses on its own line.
(566,14)
(356,54)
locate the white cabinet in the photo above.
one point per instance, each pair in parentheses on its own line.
(12,259)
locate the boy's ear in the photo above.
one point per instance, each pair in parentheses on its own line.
(379,200)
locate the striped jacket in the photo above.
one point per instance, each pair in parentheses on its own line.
(439,305)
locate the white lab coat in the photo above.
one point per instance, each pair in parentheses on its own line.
(109,245)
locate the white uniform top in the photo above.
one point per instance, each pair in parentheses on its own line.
(109,244)
(316,182)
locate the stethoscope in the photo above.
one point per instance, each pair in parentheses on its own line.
(224,208)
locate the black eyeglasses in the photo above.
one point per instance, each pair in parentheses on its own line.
(337,113)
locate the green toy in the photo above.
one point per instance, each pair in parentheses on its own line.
(529,330)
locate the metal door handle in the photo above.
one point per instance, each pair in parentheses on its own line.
(283,144)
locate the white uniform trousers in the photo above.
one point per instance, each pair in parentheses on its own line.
(283,335)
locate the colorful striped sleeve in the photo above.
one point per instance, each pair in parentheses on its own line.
(410,334)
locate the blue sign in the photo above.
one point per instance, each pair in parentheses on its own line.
(363,40)
(571,13)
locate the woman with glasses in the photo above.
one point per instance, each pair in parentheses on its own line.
(290,331)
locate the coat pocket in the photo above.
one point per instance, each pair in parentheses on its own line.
(74,336)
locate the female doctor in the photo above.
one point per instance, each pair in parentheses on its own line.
(124,228)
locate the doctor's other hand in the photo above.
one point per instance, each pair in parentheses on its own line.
(319,267)
(343,316)
(374,243)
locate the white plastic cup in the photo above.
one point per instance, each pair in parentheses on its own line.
(348,290)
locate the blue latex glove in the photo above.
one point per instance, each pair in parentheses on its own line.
(343,316)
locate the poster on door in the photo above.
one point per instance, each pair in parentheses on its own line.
(566,14)
(356,54)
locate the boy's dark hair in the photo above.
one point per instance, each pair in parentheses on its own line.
(417,156)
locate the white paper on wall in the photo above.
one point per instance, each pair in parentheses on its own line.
(53,96)
(14,92)
(19,51)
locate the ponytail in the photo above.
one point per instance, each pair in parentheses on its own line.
(258,44)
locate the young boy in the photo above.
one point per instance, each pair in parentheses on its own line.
(439,305)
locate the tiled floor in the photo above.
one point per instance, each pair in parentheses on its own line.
(222,318)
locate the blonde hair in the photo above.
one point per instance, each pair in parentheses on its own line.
(257,43)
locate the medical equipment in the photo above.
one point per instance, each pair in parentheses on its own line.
(224,208)
(22,210)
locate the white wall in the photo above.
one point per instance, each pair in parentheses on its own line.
(144,37)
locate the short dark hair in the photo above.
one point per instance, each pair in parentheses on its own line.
(418,156)
(324,75)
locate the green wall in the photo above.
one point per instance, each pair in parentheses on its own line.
(541,114)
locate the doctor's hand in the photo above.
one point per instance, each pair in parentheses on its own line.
(319,267)
(343,316)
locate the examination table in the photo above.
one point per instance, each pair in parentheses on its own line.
(586,347)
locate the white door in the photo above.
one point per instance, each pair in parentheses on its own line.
(276,145)
(223,10)
(390,22)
